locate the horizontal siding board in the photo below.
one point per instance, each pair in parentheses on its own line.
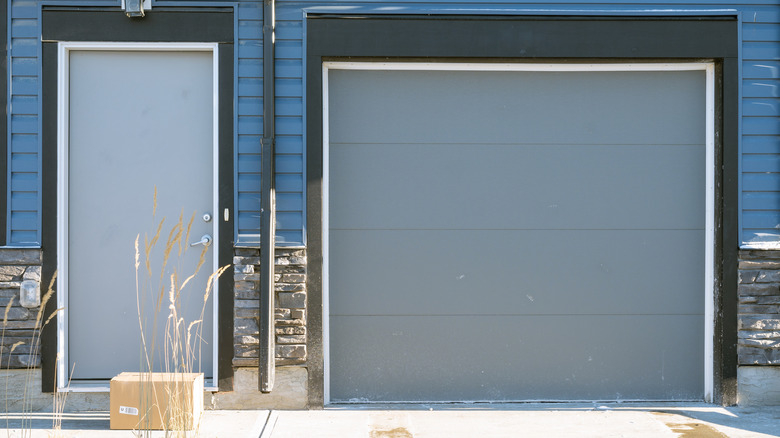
(249,144)
(763,69)
(289,164)
(250,11)
(288,220)
(24,66)
(289,125)
(24,124)
(760,182)
(761,14)
(251,200)
(24,162)
(25,200)
(291,202)
(289,87)
(761,50)
(25,143)
(248,221)
(24,105)
(250,87)
(764,236)
(289,30)
(289,237)
(24,85)
(24,9)
(290,183)
(761,88)
(761,163)
(291,11)
(250,49)
(761,125)
(250,29)
(289,49)
(769,107)
(24,47)
(289,68)
(249,182)
(762,144)
(249,163)
(24,220)
(289,144)
(23,237)
(250,68)
(250,106)
(24,181)
(761,201)
(760,32)
(24,28)
(250,125)
(761,219)
(289,106)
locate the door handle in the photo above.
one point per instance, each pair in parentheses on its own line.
(205,241)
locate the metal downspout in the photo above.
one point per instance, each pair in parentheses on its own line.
(267,360)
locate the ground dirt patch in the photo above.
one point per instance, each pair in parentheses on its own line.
(687,427)
(398,432)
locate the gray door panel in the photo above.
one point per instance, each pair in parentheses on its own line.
(529,272)
(491,357)
(517,107)
(138,120)
(424,186)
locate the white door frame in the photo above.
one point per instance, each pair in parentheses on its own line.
(63,93)
(709,251)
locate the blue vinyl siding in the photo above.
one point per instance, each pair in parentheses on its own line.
(760,185)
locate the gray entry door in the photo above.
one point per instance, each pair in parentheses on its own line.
(137,120)
(516,235)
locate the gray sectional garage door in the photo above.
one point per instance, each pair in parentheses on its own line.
(516,235)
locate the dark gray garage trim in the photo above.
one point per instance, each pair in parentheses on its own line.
(578,39)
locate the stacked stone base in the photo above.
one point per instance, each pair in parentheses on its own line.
(18,324)
(759,327)
(290,312)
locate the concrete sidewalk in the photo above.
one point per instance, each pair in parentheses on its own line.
(527,420)
(445,421)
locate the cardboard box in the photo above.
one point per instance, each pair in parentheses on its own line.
(156,401)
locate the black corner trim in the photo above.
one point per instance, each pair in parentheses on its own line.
(529,39)
(49,213)
(67,24)
(226,282)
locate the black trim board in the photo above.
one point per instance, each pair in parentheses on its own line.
(533,39)
(4,123)
(214,25)
(168,28)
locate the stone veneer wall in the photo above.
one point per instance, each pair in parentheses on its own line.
(759,307)
(17,323)
(290,274)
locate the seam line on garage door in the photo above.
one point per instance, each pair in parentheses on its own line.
(709,255)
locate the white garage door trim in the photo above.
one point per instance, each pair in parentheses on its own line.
(63,68)
(708,67)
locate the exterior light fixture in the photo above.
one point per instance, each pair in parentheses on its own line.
(30,294)
(136,8)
